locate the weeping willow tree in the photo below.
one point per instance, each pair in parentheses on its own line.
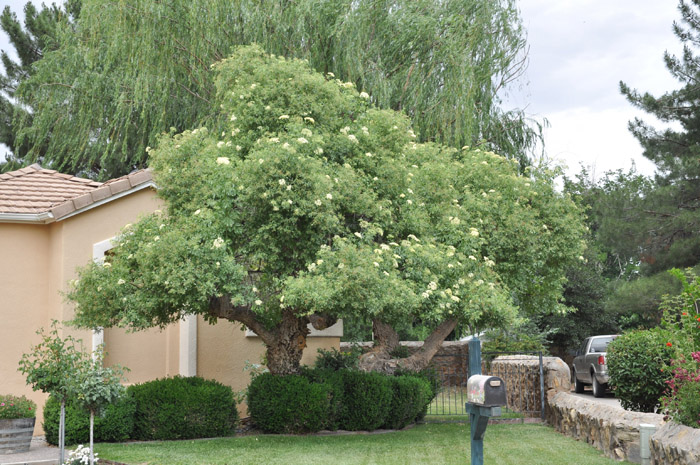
(133,69)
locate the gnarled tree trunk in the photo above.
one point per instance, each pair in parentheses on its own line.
(285,342)
(379,358)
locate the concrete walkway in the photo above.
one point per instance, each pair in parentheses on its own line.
(39,453)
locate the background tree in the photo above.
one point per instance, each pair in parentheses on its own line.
(671,223)
(309,204)
(113,86)
(38,36)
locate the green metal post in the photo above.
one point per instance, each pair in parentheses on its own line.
(477,445)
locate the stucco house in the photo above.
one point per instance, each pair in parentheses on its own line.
(52,223)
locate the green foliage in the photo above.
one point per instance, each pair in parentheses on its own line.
(335,360)
(410,399)
(97,386)
(365,401)
(183,408)
(382,226)
(53,364)
(400,352)
(114,424)
(125,81)
(637,364)
(523,337)
(288,404)
(13,407)
(30,40)
(640,300)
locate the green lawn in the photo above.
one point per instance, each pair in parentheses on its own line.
(428,443)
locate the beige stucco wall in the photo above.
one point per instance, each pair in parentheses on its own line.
(24,277)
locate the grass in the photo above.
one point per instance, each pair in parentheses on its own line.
(428,443)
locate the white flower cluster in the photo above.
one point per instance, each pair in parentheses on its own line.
(79,456)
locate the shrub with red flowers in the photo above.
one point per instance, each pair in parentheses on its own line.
(682,402)
(12,407)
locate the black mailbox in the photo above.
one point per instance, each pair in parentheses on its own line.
(486,391)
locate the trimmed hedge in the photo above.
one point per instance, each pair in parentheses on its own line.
(364,401)
(410,399)
(288,404)
(343,399)
(115,424)
(183,408)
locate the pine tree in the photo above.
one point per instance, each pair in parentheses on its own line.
(30,43)
(669,221)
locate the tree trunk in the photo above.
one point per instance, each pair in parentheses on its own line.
(285,348)
(380,360)
(62,432)
(92,427)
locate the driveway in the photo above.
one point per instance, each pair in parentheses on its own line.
(609,399)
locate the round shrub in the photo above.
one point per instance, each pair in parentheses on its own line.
(364,402)
(410,397)
(114,424)
(288,404)
(183,408)
(635,365)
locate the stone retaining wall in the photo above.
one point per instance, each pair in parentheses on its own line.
(615,431)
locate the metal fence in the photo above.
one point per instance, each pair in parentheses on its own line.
(522,373)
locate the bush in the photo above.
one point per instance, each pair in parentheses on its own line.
(183,408)
(364,402)
(13,407)
(114,424)
(636,363)
(682,401)
(410,398)
(288,404)
(334,359)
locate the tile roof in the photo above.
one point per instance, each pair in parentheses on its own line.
(34,190)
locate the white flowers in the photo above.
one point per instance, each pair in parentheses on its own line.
(375,263)
(329,196)
(318,151)
(358,235)
(309,119)
(364,95)
(474,232)
(197,212)
(302,140)
(472,257)
(258,302)
(284,117)
(306,132)
(282,182)
(223,161)
(353,138)
(218,243)
(107,265)
(432,285)
(425,295)
(233,118)
(220,144)
(318,202)
(120,282)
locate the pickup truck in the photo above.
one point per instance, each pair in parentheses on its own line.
(590,366)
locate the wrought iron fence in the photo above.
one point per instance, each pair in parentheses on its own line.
(522,373)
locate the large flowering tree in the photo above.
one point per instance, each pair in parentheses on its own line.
(305,204)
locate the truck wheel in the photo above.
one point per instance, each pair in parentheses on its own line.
(598,389)
(578,385)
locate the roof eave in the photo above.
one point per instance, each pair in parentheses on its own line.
(27,218)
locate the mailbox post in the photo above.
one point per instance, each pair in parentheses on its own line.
(485,397)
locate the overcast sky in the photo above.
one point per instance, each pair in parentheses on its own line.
(579,51)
